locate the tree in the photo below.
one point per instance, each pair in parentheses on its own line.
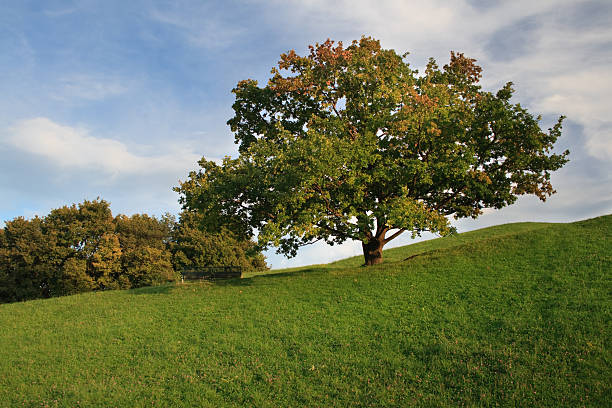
(194,247)
(85,246)
(146,266)
(24,260)
(142,230)
(146,257)
(6,285)
(352,143)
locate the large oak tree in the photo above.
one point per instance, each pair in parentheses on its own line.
(352,143)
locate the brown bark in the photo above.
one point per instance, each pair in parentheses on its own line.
(372,251)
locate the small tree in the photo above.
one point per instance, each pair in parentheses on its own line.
(352,143)
(195,247)
(146,257)
(24,261)
(84,245)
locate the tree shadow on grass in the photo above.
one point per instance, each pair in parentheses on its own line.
(218,282)
(233,282)
(153,290)
(298,272)
(248,281)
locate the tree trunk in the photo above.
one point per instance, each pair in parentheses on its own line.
(372,251)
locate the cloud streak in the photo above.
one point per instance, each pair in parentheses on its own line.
(90,87)
(200,24)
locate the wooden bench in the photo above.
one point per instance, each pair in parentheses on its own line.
(212,273)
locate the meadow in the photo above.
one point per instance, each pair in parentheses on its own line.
(513,315)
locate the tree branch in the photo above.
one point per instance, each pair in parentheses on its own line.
(328,205)
(395,235)
(337,232)
(449,198)
(381,227)
(303,244)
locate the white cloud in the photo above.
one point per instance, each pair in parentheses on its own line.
(599,143)
(419,26)
(566,71)
(75,148)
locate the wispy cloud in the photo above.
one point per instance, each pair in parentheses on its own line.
(90,87)
(60,12)
(199,23)
(583,96)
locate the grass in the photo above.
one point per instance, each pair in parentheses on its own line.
(515,315)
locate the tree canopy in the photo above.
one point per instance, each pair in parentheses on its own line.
(353,143)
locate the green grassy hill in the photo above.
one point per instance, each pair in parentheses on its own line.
(514,315)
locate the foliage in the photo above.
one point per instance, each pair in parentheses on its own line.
(146,266)
(84,246)
(195,248)
(24,256)
(73,249)
(146,245)
(352,143)
(142,230)
(81,248)
(511,316)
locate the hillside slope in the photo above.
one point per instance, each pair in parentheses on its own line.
(514,315)
(471,237)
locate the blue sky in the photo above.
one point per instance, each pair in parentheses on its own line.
(119,99)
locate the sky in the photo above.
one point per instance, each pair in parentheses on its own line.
(119,99)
